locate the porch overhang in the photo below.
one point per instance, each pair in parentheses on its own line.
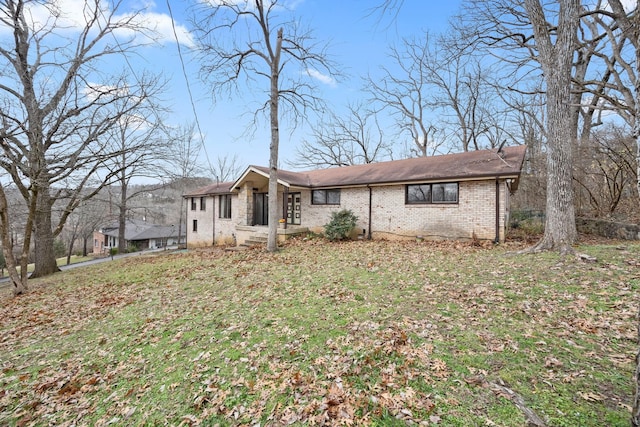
(255,174)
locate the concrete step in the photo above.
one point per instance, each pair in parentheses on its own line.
(256,240)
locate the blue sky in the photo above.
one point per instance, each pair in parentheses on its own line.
(358,43)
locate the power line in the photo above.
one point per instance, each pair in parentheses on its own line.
(184,72)
(186,78)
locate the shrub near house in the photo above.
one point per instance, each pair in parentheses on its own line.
(341,225)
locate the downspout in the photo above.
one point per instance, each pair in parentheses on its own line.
(213,219)
(370,209)
(497,239)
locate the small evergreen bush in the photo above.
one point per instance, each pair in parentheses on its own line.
(341,225)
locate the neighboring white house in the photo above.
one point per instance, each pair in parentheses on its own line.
(453,196)
(141,234)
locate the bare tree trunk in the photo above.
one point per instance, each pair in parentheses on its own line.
(633,25)
(46,259)
(556,62)
(635,414)
(18,285)
(122,216)
(272,238)
(560,227)
(72,241)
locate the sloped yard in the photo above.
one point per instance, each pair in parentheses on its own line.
(358,333)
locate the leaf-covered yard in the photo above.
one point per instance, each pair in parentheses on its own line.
(357,333)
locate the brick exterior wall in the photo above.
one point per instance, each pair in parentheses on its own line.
(391,218)
(99,243)
(211,228)
(474,216)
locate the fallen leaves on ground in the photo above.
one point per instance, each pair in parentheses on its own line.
(353,333)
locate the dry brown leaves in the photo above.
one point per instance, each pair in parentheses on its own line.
(384,361)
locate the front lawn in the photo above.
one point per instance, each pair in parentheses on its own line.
(355,333)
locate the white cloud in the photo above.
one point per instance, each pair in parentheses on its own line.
(73,15)
(322,78)
(70,14)
(95,90)
(162,24)
(628,5)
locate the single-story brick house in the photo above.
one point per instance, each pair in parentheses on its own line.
(141,234)
(453,196)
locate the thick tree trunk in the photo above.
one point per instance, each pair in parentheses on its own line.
(556,60)
(274,212)
(45,258)
(560,225)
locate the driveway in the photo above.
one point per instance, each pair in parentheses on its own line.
(4,281)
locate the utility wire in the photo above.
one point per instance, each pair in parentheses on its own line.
(184,72)
(186,79)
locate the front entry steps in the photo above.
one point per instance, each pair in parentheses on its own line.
(257,235)
(256,240)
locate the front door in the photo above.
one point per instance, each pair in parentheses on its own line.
(260,209)
(293,208)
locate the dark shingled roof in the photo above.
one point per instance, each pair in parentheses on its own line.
(219,188)
(448,167)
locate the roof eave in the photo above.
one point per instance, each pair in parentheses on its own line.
(238,183)
(482,177)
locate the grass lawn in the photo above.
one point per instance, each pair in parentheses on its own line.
(355,333)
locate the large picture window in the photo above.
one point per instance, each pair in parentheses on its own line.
(432,193)
(224,206)
(325,197)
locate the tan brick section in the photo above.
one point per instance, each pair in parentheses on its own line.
(210,228)
(393,219)
(474,216)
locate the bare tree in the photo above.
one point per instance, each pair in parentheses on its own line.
(247,40)
(434,80)
(343,141)
(227,168)
(57,103)
(183,162)
(619,84)
(140,145)
(88,217)
(529,112)
(605,165)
